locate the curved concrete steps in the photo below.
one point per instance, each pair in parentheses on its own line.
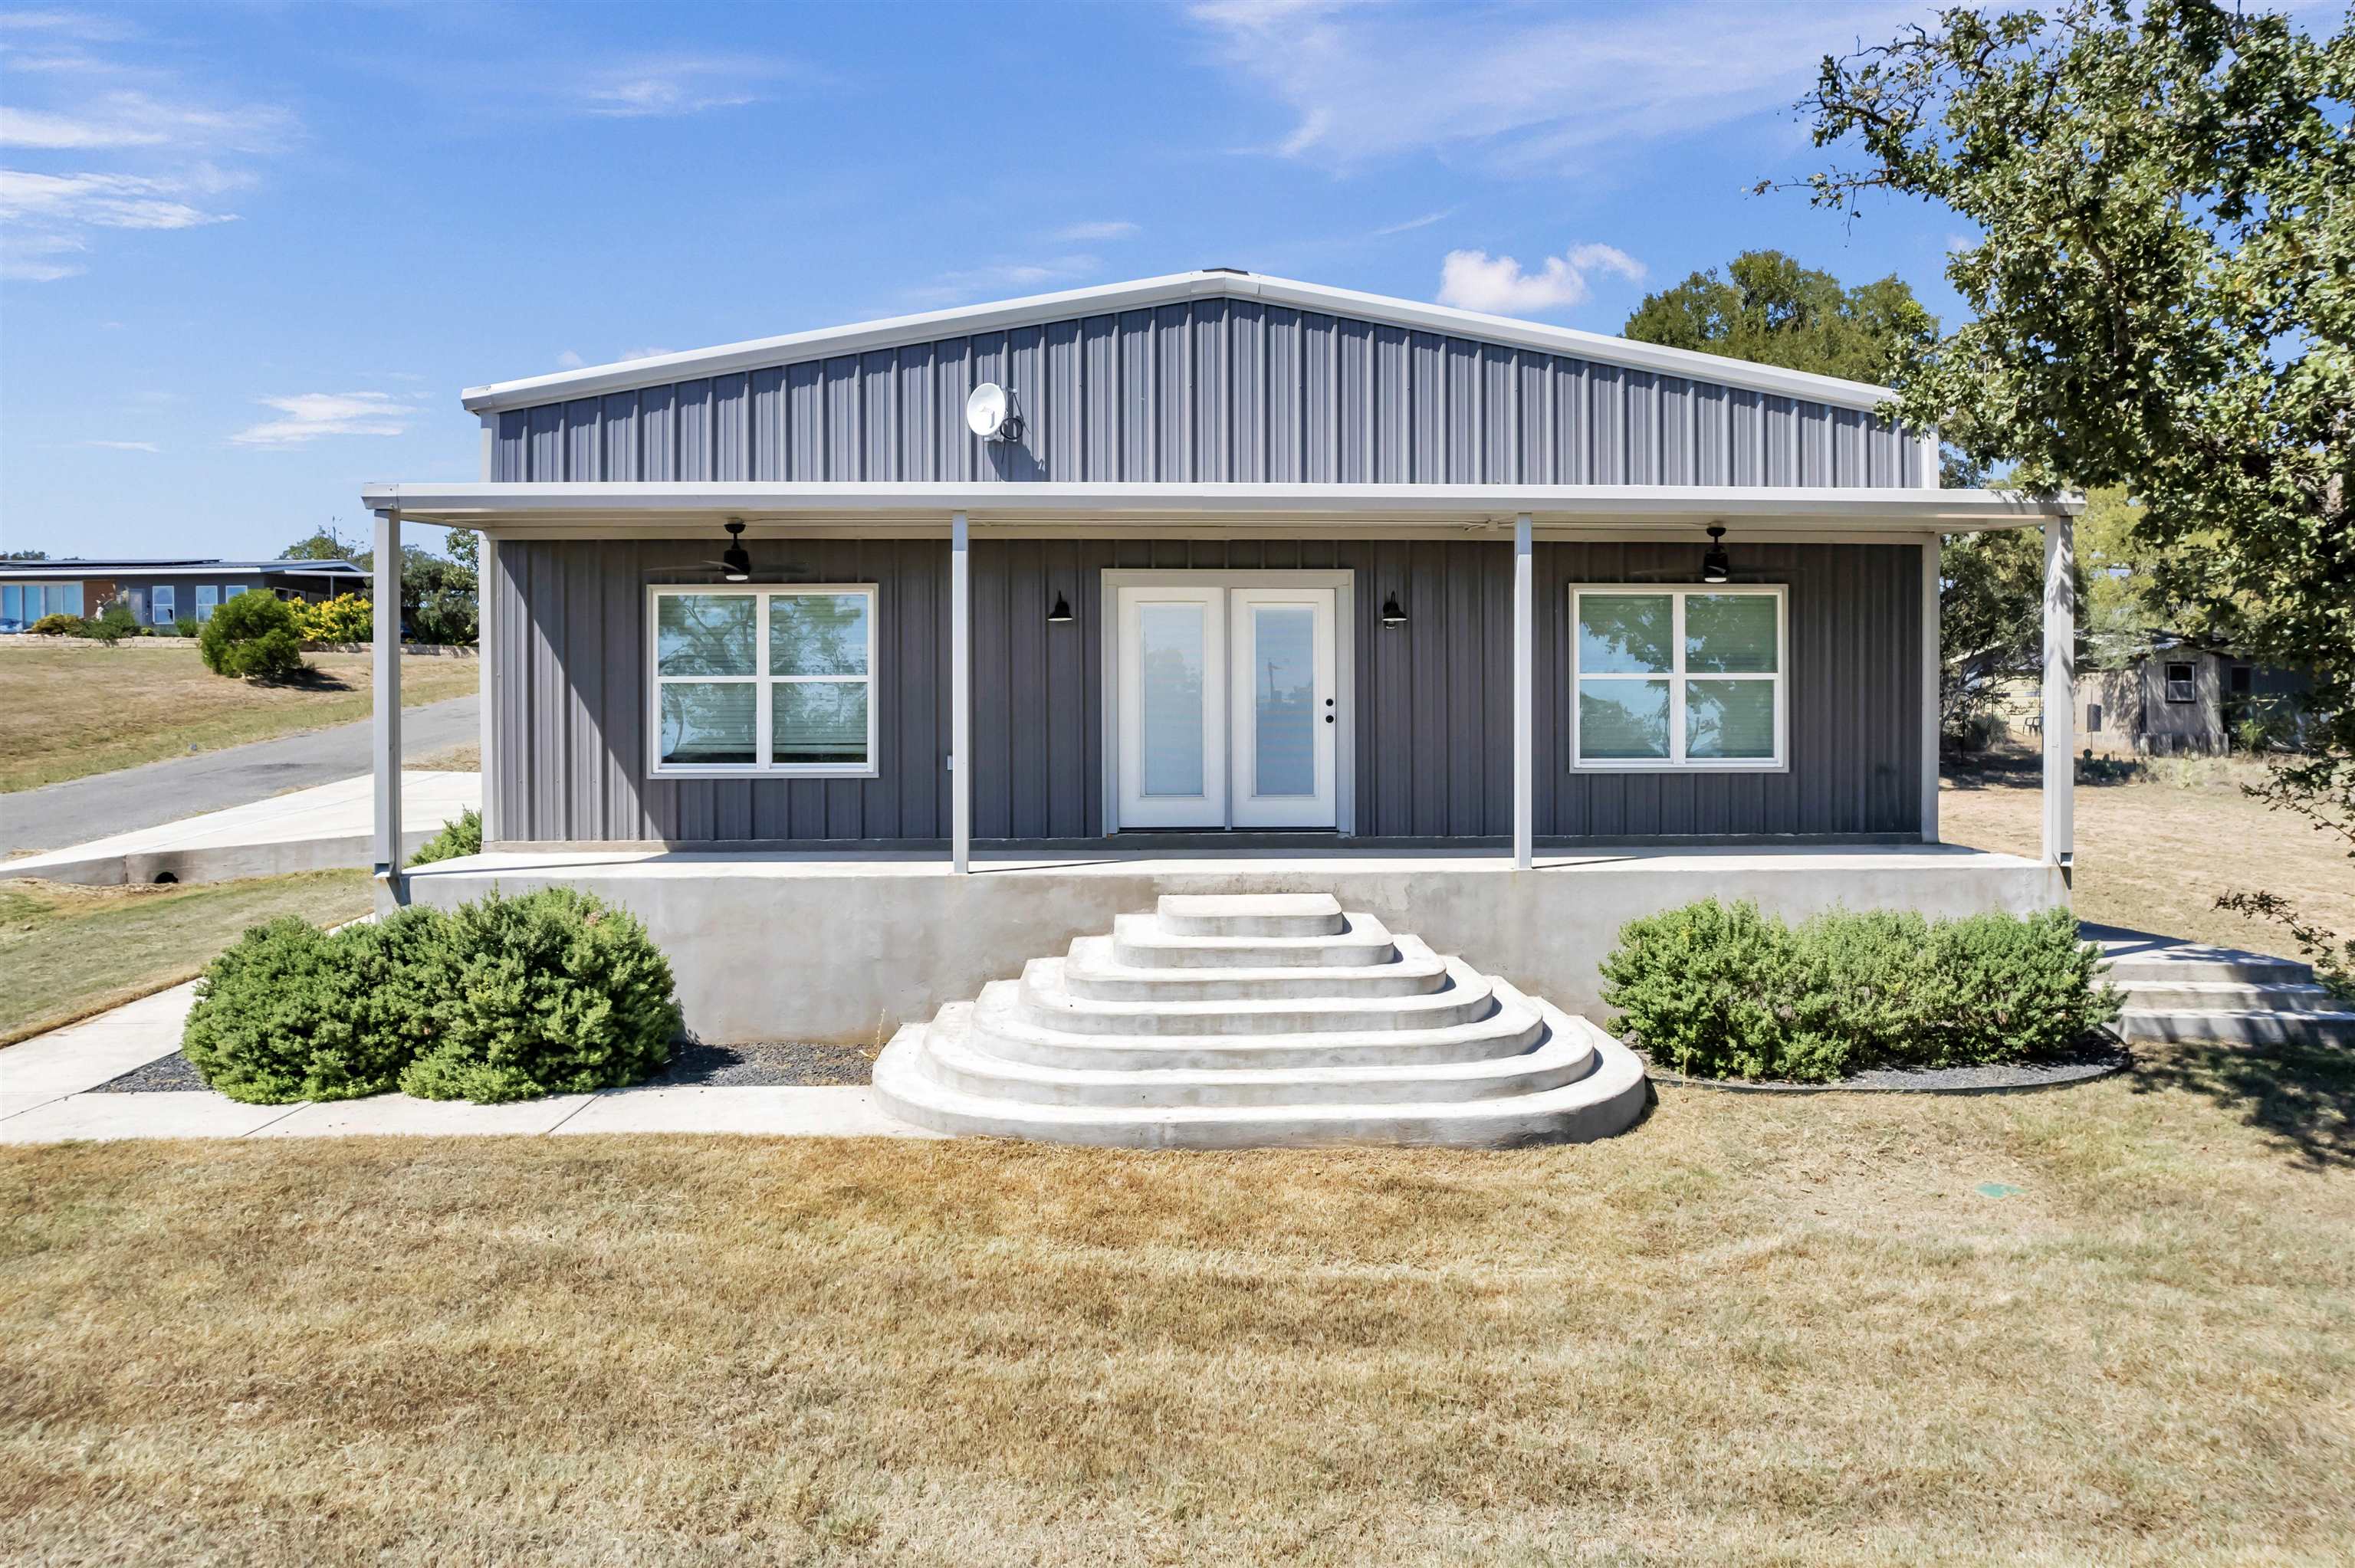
(1233,1022)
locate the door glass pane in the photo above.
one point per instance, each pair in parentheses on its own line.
(706,722)
(1733,632)
(817,635)
(1625,633)
(705,633)
(1284,699)
(1171,691)
(1730,718)
(1623,718)
(11,603)
(819,720)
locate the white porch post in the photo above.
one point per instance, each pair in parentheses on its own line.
(1524,697)
(385,612)
(1931,668)
(960,696)
(2060,692)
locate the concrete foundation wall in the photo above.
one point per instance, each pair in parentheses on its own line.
(776,947)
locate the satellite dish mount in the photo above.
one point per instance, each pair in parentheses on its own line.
(989,413)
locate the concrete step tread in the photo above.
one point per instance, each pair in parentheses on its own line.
(953,1056)
(1249,914)
(1604,1101)
(2228,996)
(1138,939)
(1510,1029)
(1092,967)
(1042,986)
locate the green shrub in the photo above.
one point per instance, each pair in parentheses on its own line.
(347,618)
(58,625)
(462,836)
(252,637)
(546,993)
(186,626)
(293,1012)
(1722,990)
(112,624)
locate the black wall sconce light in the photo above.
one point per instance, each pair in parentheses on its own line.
(1392,614)
(1062,614)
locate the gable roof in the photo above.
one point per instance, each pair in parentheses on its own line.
(1206,283)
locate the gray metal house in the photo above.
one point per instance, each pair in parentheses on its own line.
(161,591)
(1205,583)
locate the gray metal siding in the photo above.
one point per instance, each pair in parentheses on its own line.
(1434,696)
(1209,391)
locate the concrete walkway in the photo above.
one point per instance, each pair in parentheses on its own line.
(157,792)
(44,1098)
(309,829)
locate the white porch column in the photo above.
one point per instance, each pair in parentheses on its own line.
(385,612)
(486,641)
(1930,667)
(1525,706)
(2060,691)
(960,696)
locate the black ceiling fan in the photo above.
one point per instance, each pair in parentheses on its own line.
(735,563)
(1716,565)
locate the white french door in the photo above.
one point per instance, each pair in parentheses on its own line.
(1228,706)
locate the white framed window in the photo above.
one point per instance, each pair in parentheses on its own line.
(231,591)
(2179,684)
(761,681)
(1688,677)
(208,600)
(163,604)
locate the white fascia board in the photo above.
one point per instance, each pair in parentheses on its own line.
(1105,299)
(473,503)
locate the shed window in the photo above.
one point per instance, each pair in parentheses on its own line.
(2178,684)
(1677,678)
(764,681)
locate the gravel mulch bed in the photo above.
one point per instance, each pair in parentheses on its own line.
(713,1067)
(172,1072)
(2096,1057)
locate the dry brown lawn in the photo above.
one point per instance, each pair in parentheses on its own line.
(77,708)
(2115,1324)
(70,951)
(2154,854)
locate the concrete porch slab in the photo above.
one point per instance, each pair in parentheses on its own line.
(840,949)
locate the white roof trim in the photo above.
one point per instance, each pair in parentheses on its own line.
(88,569)
(758,352)
(473,503)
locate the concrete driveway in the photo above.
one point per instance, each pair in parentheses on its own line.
(109,804)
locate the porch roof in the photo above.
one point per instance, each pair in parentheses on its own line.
(925,508)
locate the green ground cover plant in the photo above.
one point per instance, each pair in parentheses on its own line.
(1716,989)
(462,836)
(502,998)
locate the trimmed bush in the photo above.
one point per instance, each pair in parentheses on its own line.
(1722,990)
(252,637)
(347,618)
(58,625)
(293,1012)
(112,624)
(551,993)
(462,836)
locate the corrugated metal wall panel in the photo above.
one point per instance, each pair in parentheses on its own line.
(1221,390)
(1433,695)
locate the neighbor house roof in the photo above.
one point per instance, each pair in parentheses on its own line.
(1213,282)
(173,566)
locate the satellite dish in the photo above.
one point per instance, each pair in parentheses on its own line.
(989,413)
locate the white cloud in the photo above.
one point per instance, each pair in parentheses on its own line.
(1008,278)
(568,360)
(133,119)
(53,205)
(1079,233)
(678,84)
(645,353)
(1425,221)
(308,416)
(1475,280)
(125,446)
(1526,89)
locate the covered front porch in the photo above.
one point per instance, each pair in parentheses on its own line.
(837,947)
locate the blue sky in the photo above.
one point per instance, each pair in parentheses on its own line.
(253,252)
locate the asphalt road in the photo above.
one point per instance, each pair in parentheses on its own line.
(57,815)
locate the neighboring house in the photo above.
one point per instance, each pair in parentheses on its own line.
(161,592)
(2176,699)
(1212,582)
